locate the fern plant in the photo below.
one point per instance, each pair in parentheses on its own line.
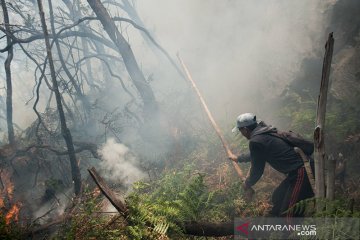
(87,222)
(160,209)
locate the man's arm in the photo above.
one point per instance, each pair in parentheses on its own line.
(241,158)
(244,158)
(258,157)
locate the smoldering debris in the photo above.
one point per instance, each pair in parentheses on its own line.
(51,210)
(119,164)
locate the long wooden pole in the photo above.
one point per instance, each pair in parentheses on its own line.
(212,120)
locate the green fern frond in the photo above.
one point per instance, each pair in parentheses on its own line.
(161,228)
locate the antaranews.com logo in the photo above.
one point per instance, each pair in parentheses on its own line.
(296,228)
(301,230)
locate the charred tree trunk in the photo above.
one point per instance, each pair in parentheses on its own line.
(75,171)
(143,87)
(9,109)
(319,142)
(109,194)
(209,229)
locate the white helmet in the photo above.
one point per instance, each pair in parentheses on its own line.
(244,120)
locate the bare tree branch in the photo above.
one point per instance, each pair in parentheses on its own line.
(75,171)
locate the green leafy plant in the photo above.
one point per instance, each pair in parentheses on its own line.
(176,197)
(88,222)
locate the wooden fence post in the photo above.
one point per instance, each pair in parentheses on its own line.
(330,178)
(319,143)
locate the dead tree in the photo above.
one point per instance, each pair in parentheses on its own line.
(9,109)
(209,229)
(75,171)
(143,87)
(76,13)
(76,86)
(319,140)
(109,194)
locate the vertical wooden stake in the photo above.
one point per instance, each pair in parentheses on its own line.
(319,143)
(330,178)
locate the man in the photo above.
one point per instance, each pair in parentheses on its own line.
(265,146)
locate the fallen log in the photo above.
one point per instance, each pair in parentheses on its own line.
(209,229)
(109,194)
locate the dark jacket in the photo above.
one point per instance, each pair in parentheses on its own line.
(267,148)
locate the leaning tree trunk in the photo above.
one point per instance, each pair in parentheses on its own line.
(320,121)
(143,87)
(75,171)
(9,109)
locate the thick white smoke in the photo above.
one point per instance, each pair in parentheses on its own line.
(119,164)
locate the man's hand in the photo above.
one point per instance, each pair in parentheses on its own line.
(248,192)
(232,157)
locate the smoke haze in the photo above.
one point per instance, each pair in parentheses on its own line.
(236,51)
(119,165)
(239,52)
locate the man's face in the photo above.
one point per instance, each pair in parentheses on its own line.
(245,132)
